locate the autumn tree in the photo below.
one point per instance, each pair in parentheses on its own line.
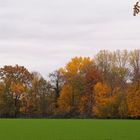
(7,107)
(91,77)
(133,100)
(115,70)
(57,81)
(40,91)
(80,76)
(114,67)
(104,87)
(103,100)
(73,87)
(134,60)
(108,105)
(16,79)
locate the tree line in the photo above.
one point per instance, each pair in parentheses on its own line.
(107,86)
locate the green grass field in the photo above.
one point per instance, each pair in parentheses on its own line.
(37,129)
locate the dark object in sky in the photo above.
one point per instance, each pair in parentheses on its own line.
(136,9)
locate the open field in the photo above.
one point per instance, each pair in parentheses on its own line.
(37,129)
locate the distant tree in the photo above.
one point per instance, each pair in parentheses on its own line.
(113,67)
(134,59)
(40,91)
(16,79)
(104,87)
(91,78)
(133,100)
(73,87)
(80,76)
(7,108)
(57,81)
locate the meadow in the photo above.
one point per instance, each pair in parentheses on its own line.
(70,129)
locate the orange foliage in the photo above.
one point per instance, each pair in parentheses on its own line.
(17,88)
(65,100)
(133,100)
(102,99)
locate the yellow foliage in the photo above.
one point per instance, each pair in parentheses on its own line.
(103,99)
(133,100)
(77,65)
(65,99)
(17,88)
(101,90)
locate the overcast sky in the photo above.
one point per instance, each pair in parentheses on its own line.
(43,35)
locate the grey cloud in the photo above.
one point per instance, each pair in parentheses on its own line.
(44,34)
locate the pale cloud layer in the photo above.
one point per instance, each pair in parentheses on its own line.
(44,34)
